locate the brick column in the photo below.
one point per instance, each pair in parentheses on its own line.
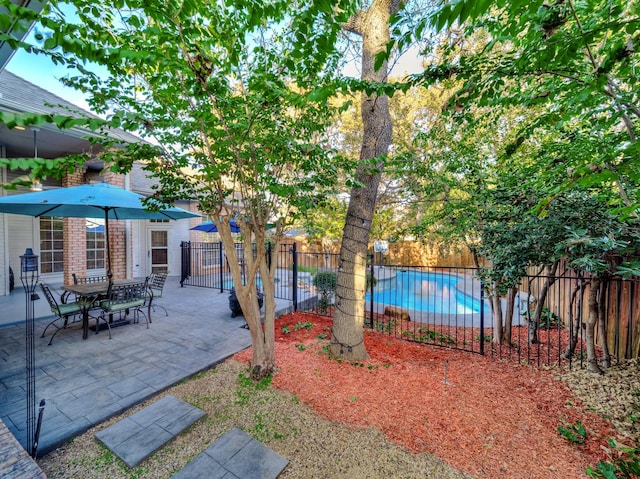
(117,234)
(74,236)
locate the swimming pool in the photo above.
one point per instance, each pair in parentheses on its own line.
(426,291)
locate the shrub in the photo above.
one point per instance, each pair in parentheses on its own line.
(326,281)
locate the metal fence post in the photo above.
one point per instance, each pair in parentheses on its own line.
(184,263)
(371,286)
(269,256)
(481,316)
(220,269)
(294,268)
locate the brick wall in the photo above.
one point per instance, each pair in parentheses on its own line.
(117,234)
(75,241)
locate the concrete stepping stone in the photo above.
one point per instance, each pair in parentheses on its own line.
(236,455)
(136,437)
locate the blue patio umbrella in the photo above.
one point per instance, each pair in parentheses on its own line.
(210,227)
(100,200)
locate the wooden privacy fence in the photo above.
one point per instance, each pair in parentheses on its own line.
(619,306)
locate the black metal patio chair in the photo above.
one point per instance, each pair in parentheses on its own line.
(89,279)
(156,285)
(125,299)
(63,311)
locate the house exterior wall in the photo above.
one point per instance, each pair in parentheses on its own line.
(129,240)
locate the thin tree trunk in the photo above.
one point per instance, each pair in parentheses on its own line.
(534,322)
(575,320)
(602,326)
(262,337)
(508,320)
(496,310)
(347,339)
(592,360)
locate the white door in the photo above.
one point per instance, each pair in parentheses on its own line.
(159,252)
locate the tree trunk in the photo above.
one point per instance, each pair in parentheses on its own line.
(496,310)
(602,324)
(592,360)
(508,320)
(534,322)
(347,338)
(575,320)
(262,337)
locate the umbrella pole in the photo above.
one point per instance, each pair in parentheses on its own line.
(106,230)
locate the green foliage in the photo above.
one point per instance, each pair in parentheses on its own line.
(575,433)
(285,329)
(548,319)
(386,327)
(326,281)
(424,334)
(625,463)
(324,302)
(247,387)
(532,160)
(306,325)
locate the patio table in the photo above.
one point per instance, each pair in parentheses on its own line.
(88,293)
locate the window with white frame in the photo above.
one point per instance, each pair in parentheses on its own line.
(95,244)
(51,245)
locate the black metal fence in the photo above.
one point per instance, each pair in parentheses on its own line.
(444,306)
(206,265)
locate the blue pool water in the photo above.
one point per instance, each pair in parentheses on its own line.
(429,292)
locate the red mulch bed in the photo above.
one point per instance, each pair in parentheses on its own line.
(492,418)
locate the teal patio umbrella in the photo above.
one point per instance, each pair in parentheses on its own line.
(210,227)
(100,200)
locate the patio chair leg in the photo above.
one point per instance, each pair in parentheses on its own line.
(166,313)
(136,316)
(98,318)
(58,328)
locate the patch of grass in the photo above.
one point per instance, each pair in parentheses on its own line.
(386,327)
(426,334)
(301,347)
(247,388)
(487,338)
(262,429)
(107,459)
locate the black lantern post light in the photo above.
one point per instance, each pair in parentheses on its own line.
(29,277)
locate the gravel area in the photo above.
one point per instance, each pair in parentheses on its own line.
(615,395)
(315,447)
